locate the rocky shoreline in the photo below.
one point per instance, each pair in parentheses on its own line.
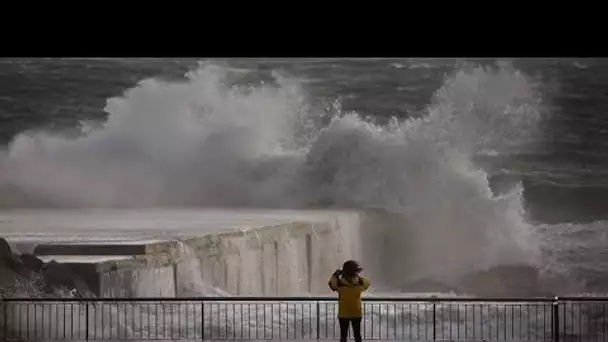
(25,275)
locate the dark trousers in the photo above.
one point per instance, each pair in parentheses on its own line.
(345,324)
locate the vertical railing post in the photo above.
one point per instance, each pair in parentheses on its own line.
(4,321)
(555,320)
(202,320)
(318,320)
(86,320)
(434,320)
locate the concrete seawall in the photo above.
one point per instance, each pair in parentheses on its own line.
(283,260)
(257,253)
(279,260)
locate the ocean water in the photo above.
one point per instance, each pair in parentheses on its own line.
(505,158)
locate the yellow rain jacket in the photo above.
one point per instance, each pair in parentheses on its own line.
(349,295)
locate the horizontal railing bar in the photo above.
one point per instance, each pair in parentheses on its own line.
(583,299)
(307,299)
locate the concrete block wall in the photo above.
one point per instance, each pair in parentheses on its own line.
(142,276)
(281,260)
(268,261)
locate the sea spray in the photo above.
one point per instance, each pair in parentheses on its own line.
(212,141)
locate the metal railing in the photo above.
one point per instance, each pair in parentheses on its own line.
(303,318)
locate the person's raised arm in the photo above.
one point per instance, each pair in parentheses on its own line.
(333,280)
(365,284)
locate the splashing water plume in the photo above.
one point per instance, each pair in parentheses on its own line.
(210,141)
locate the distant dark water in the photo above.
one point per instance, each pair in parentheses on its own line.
(564,172)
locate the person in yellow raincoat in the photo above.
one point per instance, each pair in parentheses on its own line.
(350,286)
